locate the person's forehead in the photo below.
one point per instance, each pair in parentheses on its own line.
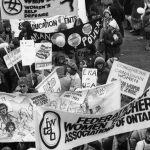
(2,107)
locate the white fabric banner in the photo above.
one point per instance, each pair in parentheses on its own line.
(16,118)
(50,84)
(56,129)
(43,57)
(27,49)
(20,110)
(13,58)
(133,80)
(35,9)
(89,77)
(46,25)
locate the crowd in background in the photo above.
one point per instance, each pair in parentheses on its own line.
(115,15)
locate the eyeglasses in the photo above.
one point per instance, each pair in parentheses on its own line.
(22,86)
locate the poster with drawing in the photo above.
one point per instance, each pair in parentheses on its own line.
(16,118)
(43,57)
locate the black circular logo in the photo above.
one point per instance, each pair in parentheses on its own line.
(12,7)
(50,129)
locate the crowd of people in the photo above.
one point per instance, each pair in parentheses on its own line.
(101,56)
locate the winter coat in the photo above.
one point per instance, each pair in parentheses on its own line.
(118,14)
(127,7)
(146,22)
(112,50)
(102,76)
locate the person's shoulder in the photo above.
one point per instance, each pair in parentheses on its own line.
(32,90)
(140,143)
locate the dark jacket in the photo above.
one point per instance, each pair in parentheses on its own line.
(118,14)
(127,7)
(112,50)
(102,76)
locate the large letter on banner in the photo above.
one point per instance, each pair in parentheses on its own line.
(56,129)
(133,80)
(50,84)
(34,9)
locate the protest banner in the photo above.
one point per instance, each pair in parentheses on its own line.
(43,57)
(35,9)
(56,129)
(78,37)
(16,123)
(13,58)
(26,48)
(50,84)
(89,78)
(133,80)
(21,107)
(46,25)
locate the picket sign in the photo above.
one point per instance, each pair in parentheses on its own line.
(89,78)
(13,58)
(133,80)
(50,84)
(43,57)
(12,63)
(27,49)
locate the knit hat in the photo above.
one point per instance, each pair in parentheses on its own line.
(99,60)
(72,65)
(114,24)
(106,11)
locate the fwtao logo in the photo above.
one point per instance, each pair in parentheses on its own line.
(50,130)
(12,7)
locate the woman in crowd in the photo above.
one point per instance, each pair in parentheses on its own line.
(117,13)
(146,24)
(127,10)
(135,17)
(102,71)
(112,40)
(26,31)
(144,144)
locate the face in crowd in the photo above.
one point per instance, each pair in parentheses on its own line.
(23,88)
(3,109)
